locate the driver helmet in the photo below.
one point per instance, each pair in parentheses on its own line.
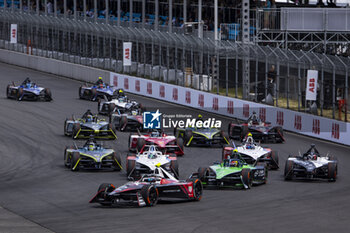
(100,78)
(28,85)
(121,92)
(134,112)
(233,163)
(234,153)
(152,154)
(89,118)
(155,134)
(200,116)
(91,146)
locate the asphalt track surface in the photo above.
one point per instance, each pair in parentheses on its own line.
(35,184)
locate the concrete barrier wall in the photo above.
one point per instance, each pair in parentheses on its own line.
(52,66)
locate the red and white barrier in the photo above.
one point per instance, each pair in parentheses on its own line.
(298,122)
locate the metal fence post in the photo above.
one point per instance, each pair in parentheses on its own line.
(226,73)
(131,12)
(156,17)
(119,12)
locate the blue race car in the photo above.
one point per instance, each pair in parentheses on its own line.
(99,90)
(28,91)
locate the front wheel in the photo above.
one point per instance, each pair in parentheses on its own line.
(150,195)
(117,162)
(48,95)
(247,178)
(197,189)
(288,170)
(74,162)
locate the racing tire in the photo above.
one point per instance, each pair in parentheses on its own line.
(19,94)
(65,157)
(8,91)
(48,95)
(223,151)
(225,137)
(80,93)
(188,136)
(130,165)
(197,189)
(247,178)
(180,144)
(280,131)
(111,108)
(103,190)
(274,160)
(74,166)
(174,167)
(117,162)
(265,170)
(123,122)
(288,170)
(332,172)
(244,132)
(150,195)
(332,158)
(93,94)
(202,173)
(140,144)
(76,128)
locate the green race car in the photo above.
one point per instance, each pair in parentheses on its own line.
(202,136)
(233,172)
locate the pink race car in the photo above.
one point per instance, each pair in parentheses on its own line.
(168,144)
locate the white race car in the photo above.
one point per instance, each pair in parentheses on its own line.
(121,104)
(252,153)
(147,162)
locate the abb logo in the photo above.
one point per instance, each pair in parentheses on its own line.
(127,53)
(115,80)
(316,126)
(335,130)
(262,114)
(280,118)
(230,109)
(215,103)
(312,85)
(137,85)
(161,91)
(14,33)
(245,110)
(201,100)
(188,97)
(149,88)
(175,94)
(297,122)
(126,83)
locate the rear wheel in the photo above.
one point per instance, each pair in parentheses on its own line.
(202,173)
(280,131)
(332,171)
(244,132)
(76,129)
(48,96)
(180,143)
(265,170)
(93,94)
(150,195)
(80,92)
(188,136)
(66,158)
(140,144)
(247,178)
(117,162)
(8,91)
(174,166)
(103,190)
(19,94)
(274,160)
(111,108)
(197,189)
(122,123)
(74,165)
(288,170)
(130,165)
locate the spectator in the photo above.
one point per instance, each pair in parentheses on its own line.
(267,14)
(320,3)
(273,14)
(330,3)
(271,76)
(49,7)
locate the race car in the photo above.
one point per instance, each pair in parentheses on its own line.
(147,161)
(311,165)
(120,104)
(201,136)
(98,90)
(91,155)
(261,131)
(131,119)
(28,91)
(165,143)
(233,172)
(89,125)
(148,190)
(253,153)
